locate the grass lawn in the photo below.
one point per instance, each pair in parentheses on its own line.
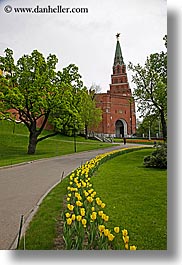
(14,143)
(135,197)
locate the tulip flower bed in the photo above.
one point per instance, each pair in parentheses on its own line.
(85,222)
(143,141)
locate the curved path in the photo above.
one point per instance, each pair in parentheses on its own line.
(22,186)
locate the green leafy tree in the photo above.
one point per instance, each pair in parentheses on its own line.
(34,89)
(90,114)
(151,87)
(80,113)
(149,122)
(66,117)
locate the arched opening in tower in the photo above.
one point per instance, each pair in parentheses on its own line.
(119,128)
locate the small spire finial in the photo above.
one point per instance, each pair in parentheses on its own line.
(117,35)
(118,59)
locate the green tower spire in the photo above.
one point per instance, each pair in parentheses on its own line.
(118,59)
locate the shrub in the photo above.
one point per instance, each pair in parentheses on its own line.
(158,158)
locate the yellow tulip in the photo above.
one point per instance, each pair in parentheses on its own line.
(69,221)
(78,218)
(133,248)
(116,229)
(100,213)
(126,246)
(106,218)
(84,184)
(90,191)
(79,198)
(93,216)
(106,232)
(98,201)
(79,185)
(70,207)
(79,203)
(86,193)
(111,237)
(82,212)
(67,215)
(76,179)
(126,239)
(103,205)
(92,195)
(103,216)
(101,228)
(73,217)
(124,232)
(84,222)
(90,199)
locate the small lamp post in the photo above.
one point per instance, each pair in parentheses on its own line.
(75,136)
(149,131)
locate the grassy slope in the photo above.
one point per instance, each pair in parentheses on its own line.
(14,142)
(136,198)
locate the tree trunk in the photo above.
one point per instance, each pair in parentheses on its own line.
(86,131)
(32,143)
(164,126)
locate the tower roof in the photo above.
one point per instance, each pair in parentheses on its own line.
(118,59)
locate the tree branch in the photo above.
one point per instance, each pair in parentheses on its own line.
(47,136)
(23,120)
(44,122)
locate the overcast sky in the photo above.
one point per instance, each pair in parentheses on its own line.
(87,40)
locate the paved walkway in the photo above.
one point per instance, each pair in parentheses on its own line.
(22,186)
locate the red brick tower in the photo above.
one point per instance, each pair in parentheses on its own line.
(117,105)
